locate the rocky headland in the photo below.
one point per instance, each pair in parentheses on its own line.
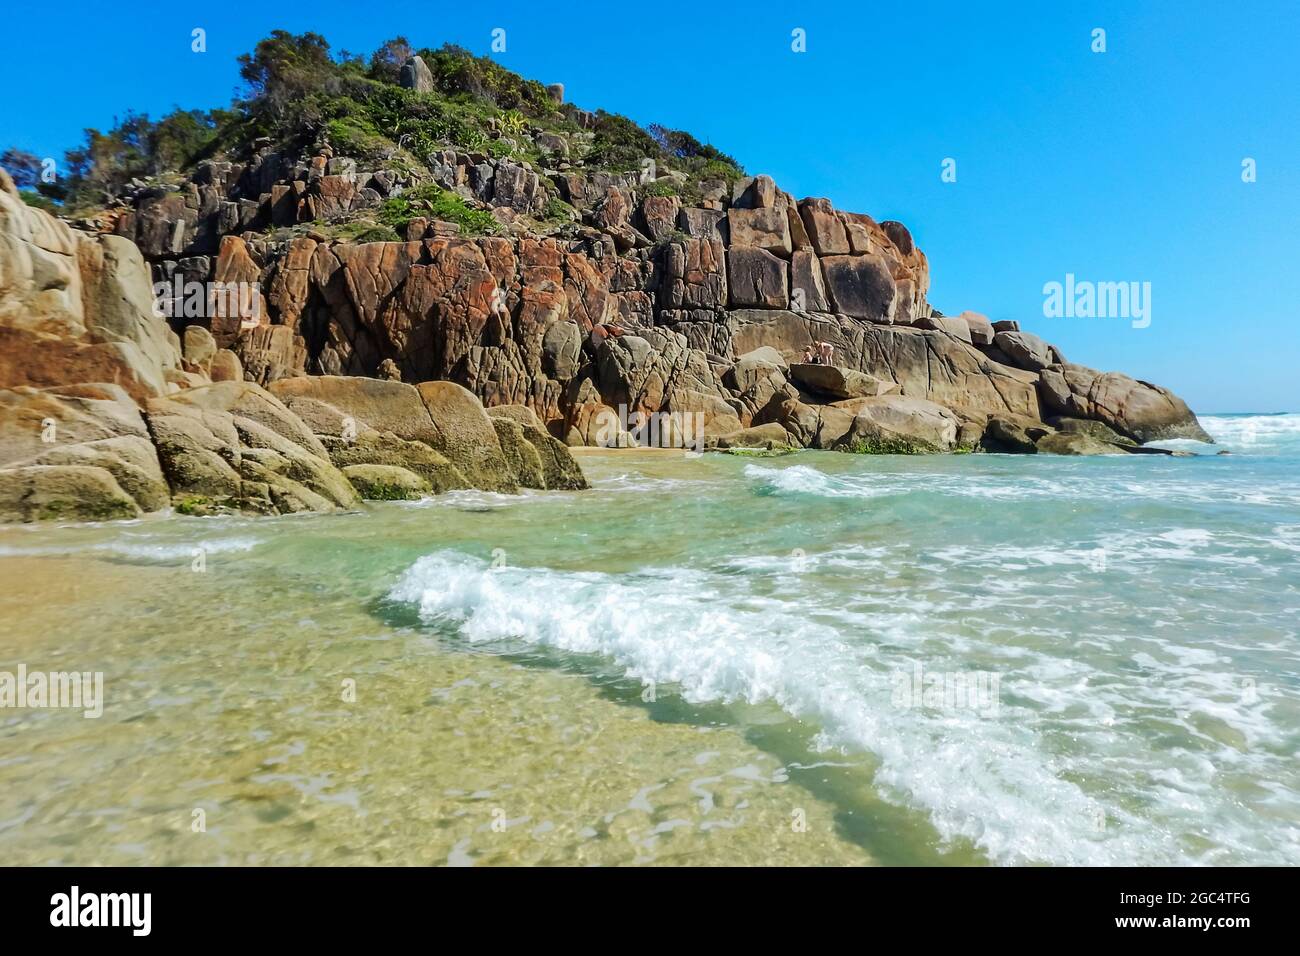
(454,277)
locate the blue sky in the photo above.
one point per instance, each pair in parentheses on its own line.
(1115,166)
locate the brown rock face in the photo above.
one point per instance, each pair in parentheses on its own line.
(75,308)
(900,424)
(1139,410)
(929,365)
(766,228)
(757,279)
(807,288)
(634,301)
(838,383)
(659,215)
(860,286)
(695,275)
(464,433)
(825,230)
(1024,350)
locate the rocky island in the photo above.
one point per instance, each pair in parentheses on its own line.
(423,273)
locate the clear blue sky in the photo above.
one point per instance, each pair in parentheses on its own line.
(1115,167)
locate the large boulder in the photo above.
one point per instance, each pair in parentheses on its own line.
(130,459)
(559,470)
(118,297)
(1024,349)
(416,75)
(384,449)
(246,400)
(464,433)
(1076,443)
(753,367)
(958,327)
(770,436)
(1098,430)
(979,327)
(924,364)
(524,462)
(378,404)
(442,415)
(62,492)
(93,426)
(700,415)
(897,424)
(233,446)
(1136,409)
(1013,434)
(836,382)
(765,228)
(807,287)
(75,308)
(386,482)
(199,347)
(695,276)
(824,228)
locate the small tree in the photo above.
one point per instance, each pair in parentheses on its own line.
(386,62)
(285,66)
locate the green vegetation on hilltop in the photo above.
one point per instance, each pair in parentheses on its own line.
(299,94)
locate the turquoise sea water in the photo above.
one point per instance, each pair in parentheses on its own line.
(961,659)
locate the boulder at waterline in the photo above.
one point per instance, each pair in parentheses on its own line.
(896,424)
(386,482)
(62,492)
(1077,443)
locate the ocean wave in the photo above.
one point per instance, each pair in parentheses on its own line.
(1056,479)
(1255,434)
(994,780)
(806,480)
(136,548)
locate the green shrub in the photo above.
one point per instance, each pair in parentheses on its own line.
(357,138)
(433,202)
(378,234)
(620,144)
(456,70)
(557,209)
(662,187)
(38,201)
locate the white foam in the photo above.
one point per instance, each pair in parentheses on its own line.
(996,780)
(1255,434)
(1040,479)
(143,548)
(804,479)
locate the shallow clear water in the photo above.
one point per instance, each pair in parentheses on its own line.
(719,660)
